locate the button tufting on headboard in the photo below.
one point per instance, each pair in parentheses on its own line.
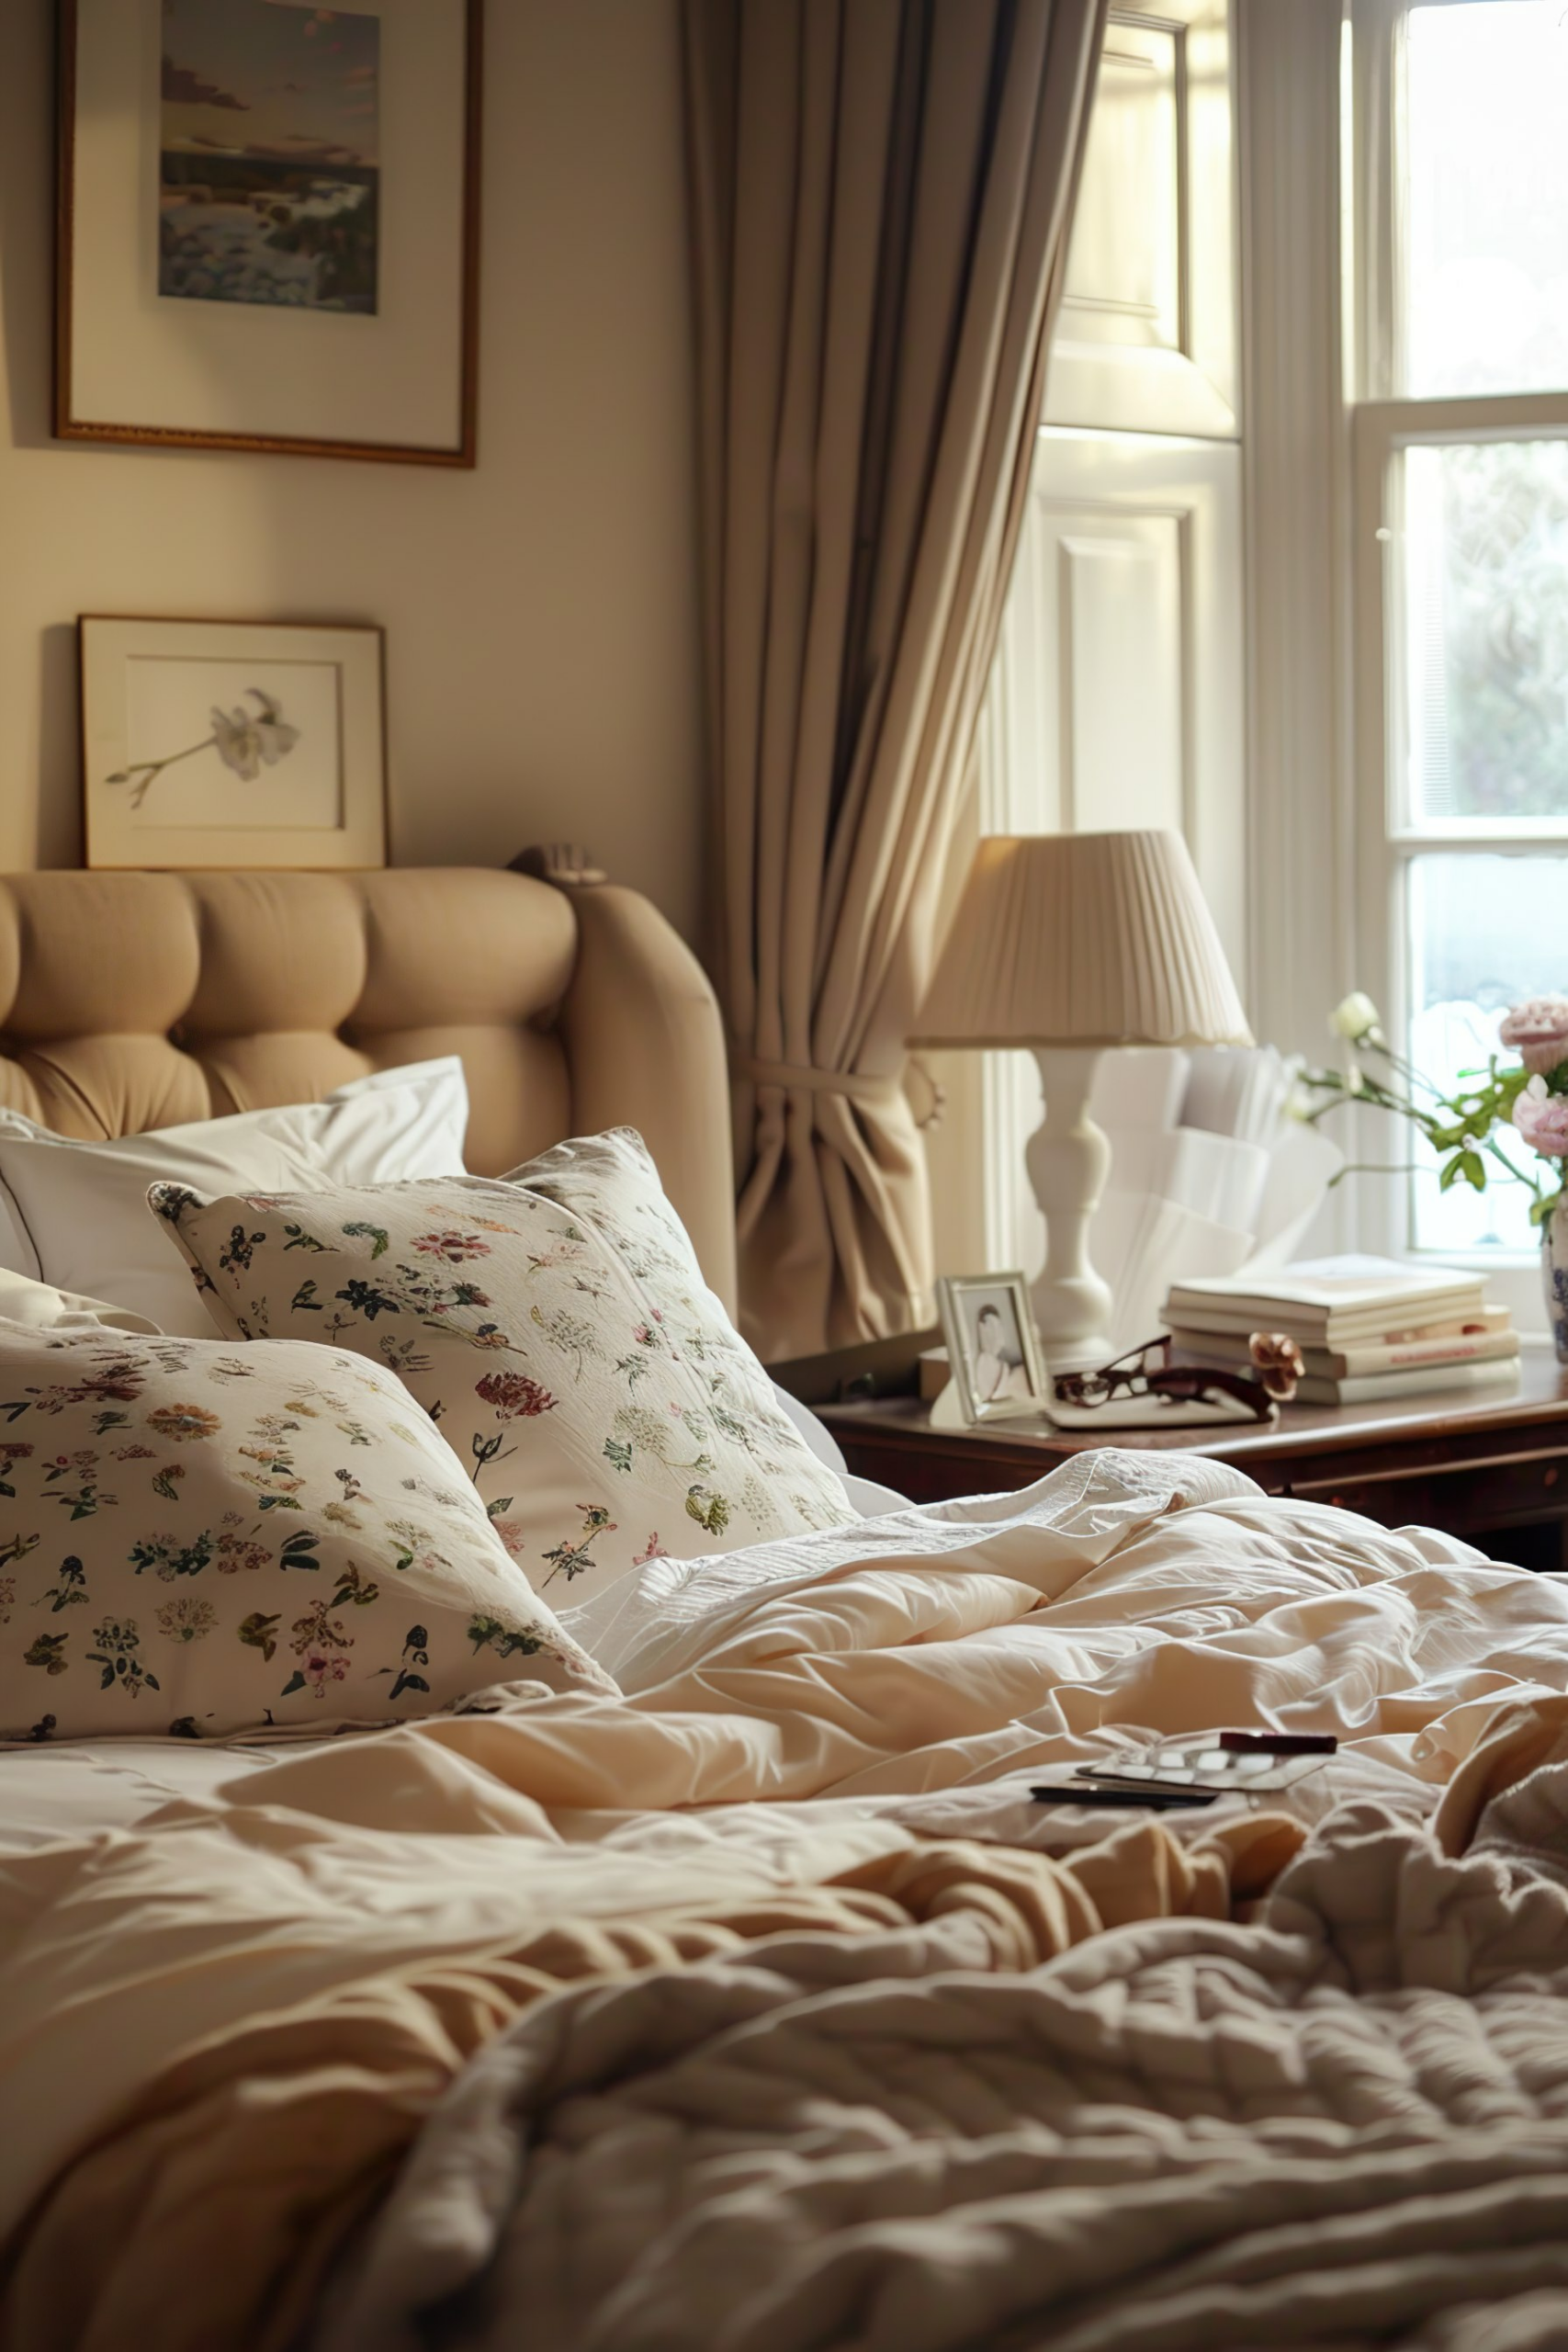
(131,1000)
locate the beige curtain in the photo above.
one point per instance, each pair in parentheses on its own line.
(882,191)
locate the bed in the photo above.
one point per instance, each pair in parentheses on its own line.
(750,2001)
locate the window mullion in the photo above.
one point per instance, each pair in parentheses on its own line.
(1376,28)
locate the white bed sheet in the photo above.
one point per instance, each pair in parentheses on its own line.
(84,1786)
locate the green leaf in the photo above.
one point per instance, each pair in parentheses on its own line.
(1474,1170)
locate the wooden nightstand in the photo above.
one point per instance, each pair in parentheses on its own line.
(1491,1465)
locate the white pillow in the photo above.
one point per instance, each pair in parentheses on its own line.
(73,1214)
(39,1307)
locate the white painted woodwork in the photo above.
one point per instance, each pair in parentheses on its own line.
(1116,588)
(1125,267)
(1304,875)
(1146,340)
(1117,699)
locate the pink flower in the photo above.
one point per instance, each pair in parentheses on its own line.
(1538,1030)
(1543,1120)
(320,1667)
(452,1248)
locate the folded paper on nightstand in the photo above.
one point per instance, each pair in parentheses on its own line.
(1209,1173)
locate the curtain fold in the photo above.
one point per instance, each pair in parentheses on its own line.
(881,196)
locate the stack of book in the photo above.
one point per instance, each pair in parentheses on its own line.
(1367,1328)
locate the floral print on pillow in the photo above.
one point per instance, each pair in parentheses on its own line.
(203,1541)
(555,1326)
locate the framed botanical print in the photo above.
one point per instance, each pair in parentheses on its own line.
(269,226)
(232,743)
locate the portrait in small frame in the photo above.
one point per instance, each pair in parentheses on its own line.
(992,1349)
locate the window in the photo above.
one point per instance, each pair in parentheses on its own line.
(1461,532)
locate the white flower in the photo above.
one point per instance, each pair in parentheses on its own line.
(238,740)
(277,735)
(1356,1018)
(244,744)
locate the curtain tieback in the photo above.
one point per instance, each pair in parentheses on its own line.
(877,1092)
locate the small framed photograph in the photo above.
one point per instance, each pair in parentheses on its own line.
(232,744)
(991,1350)
(269,226)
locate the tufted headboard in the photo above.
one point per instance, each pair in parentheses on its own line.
(135,1001)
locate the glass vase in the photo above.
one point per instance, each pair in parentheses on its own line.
(1555,1275)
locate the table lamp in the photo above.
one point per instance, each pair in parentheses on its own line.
(1069,943)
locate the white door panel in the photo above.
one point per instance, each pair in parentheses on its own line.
(1124,264)
(1118,590)
(1117,696)
(1146,340)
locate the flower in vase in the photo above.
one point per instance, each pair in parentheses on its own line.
(1356,1018)
(1538,1032)
(1543,1120)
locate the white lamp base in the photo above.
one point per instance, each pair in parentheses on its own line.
(1068,1160)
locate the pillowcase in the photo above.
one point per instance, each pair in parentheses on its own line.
(76,1213)
(866,1498)
(39,1307)
(203,1541)
(557,1328)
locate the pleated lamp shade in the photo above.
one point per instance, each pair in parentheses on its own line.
(1084,939)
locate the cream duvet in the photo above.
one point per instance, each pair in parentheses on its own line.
(223,2030)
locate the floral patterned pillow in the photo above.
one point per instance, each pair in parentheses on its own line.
(203,1541)
(555,1324)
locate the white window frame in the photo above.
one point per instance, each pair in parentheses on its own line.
(1385,424)
(1322,266)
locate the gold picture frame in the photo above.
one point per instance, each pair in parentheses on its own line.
(172,325)
(223,745)
(996,1375)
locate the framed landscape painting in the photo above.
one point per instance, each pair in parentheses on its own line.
(269,226)
(219,744)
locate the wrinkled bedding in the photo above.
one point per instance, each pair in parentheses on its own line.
(83,1787)
(223,2025)
(1344,2126)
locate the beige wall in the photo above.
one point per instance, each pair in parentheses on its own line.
(541,611)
